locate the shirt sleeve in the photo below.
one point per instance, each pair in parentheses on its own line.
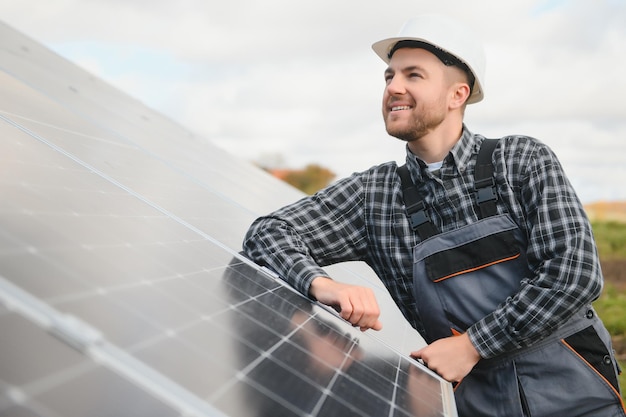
(561,252)
(299,239)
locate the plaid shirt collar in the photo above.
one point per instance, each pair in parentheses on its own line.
(455,162)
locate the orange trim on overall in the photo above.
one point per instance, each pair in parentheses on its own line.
(617,394)
(477,268)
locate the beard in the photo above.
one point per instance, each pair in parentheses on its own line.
(421,122)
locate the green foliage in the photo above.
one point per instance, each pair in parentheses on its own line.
(611,239)
(611,307)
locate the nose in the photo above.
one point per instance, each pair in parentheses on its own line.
(395,86)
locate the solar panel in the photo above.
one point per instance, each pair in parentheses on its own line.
(122,291)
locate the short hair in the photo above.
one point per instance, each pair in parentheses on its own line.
(446,58)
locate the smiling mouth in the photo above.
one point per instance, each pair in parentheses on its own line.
(398,108)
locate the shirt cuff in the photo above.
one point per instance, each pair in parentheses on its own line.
(302,274)
(491,337)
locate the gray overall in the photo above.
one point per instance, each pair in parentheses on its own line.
(462,275)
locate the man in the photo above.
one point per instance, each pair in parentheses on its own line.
(497,272)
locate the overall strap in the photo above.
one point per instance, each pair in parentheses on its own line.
(484,186)
(484,182)
(415,207)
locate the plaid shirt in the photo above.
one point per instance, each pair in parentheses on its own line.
(363,218)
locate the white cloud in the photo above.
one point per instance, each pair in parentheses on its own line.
(300,78)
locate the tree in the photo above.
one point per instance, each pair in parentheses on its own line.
(310,179)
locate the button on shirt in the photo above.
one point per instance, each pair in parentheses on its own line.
(363,218)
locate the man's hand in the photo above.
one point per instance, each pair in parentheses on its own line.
(451,357)
(355,304)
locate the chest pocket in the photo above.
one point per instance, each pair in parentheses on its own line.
(472,256)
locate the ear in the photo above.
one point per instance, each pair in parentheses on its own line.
(459,92)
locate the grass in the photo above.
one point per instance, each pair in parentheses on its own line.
(611,307)
(610,238)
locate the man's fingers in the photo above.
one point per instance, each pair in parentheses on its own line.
(376,326)
(355,304)
(451,357)
(345,309)
(359,308)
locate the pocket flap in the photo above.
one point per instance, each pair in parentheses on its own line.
(481,253)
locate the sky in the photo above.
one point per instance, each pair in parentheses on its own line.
(292,83)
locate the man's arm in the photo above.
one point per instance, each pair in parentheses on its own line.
(561,252)
(299,239)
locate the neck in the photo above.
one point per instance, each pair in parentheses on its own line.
(436,144)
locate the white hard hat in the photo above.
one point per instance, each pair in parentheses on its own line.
(447,35)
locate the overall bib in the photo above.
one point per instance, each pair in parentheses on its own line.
(462,275)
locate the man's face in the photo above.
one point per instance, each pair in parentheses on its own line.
(414,101)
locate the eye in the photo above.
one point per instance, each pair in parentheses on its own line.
(415,75)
